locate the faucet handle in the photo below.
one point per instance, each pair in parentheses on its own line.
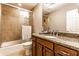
(57,33)
(53,32)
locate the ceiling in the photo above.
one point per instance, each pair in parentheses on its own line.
(27,6)
(55,6)
(47,7)
(52,7)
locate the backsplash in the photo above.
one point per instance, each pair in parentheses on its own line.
(72,35)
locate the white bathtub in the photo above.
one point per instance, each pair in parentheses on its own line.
(16,48)
(10,43)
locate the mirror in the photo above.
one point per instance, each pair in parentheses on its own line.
(64,18)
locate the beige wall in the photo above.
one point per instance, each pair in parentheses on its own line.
(57,19)
(37,18)
(11,23)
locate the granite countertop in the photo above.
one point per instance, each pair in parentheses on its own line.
(72,43)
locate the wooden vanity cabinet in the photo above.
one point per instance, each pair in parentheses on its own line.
(48,52)
(42,47)
(78,53)
(33,49)
(63,51)
(33,46)
(39,49)
(46,47)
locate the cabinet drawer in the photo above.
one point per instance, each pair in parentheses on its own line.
(48,52)
(41,41)
(63,51)
(45,43)
(49,45)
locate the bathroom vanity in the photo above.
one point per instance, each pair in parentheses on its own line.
(43,45)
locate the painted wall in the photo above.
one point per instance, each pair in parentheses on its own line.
(57,19)
(37,18)
(11,23)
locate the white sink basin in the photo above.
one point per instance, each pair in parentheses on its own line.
(50,37)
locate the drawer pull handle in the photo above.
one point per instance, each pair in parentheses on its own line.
(65,53)
(59,54)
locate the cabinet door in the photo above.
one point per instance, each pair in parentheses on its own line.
(39,49)
(78,53)
(48,52)
(33,48)
(64,51)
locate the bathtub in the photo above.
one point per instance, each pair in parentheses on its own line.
(16,48)
(10,43)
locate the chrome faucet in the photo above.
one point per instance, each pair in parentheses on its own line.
(55,33)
